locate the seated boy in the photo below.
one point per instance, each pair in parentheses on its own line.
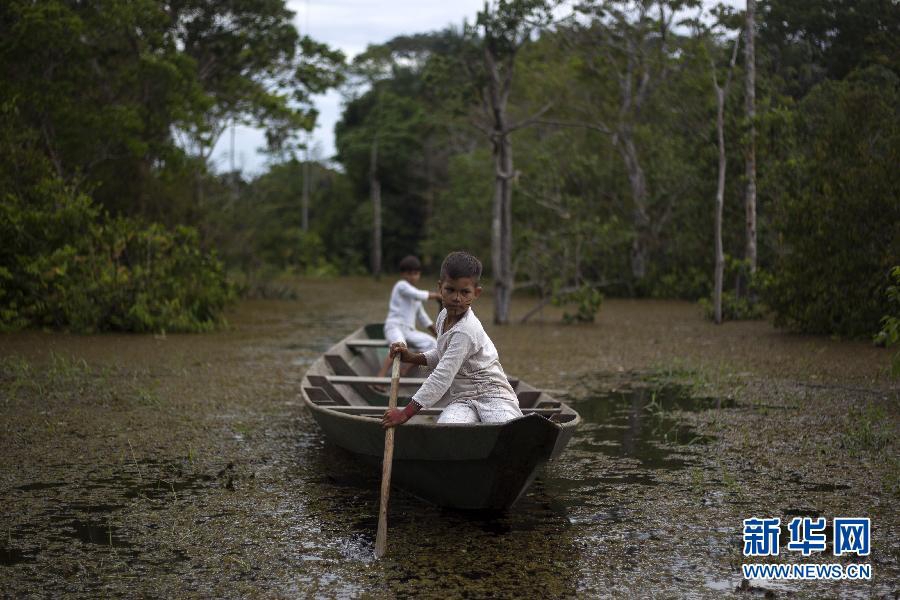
(405,308)
(465,361)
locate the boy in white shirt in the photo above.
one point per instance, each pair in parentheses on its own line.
(405,309)
(465,362)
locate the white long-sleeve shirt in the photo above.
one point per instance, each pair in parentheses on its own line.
(466,365)
(405,307)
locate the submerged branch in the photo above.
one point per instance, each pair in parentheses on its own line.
(566,290)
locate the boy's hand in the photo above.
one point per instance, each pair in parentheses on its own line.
(400,348)
(393,417)
(434,296)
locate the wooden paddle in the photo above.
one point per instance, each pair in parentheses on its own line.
(381,536)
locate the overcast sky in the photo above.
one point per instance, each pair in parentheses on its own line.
(350,25)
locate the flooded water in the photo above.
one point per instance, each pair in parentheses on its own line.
(186,465)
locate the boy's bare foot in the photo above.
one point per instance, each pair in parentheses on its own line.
(378,388)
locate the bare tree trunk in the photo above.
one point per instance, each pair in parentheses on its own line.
(640,220)
(199,198)
(721,93)
(501,224)
(305,198)
(429,189)
(501,228)
(720,203)
(375,191)
(506,27)
(750,99)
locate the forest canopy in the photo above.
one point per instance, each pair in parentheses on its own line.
(580,150)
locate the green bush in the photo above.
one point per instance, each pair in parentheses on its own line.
(690,283)
(64,264)
(734,308)
(889,335)
(745,306)
(839,218)
(585,299)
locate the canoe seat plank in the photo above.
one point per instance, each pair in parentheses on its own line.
(342,368)
(528,398)
(318,396)
(322,382)
(339,365)
(367,343)
(356,379)
(379,410)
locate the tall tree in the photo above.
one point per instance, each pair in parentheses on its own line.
(385,127)
(102,88)
(117,84)
(632,43)
(254,67)
(837,216)
(721,91)
(803,43)
(501,29)
(375,196)
(750,110)
(395,104)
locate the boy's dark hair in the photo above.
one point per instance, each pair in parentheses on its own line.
(410,263)
(461,264)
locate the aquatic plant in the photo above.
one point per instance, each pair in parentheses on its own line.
(889,335)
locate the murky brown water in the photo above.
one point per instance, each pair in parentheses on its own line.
(174,465)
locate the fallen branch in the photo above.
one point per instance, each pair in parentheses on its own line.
(544,302)
(562,292)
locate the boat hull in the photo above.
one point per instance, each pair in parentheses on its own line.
(485,468)
(481,466)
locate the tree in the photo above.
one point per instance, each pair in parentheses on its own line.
(838,216)
(801,44)
(750,151)
(500,30)
(625,42)
(398,96)
(380,132)
(102,89)
(721,91)
(254,68)
(108,89)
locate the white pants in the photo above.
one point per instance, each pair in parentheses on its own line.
(481,410)
(413,338)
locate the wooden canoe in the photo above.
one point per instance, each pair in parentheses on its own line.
(478,466)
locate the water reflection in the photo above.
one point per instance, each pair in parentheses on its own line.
(640,423)
(12,556)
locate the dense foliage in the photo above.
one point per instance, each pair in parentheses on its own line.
(108,116)
(889,335)
(65,264)
(615,194)
(840,212)
(612,122)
